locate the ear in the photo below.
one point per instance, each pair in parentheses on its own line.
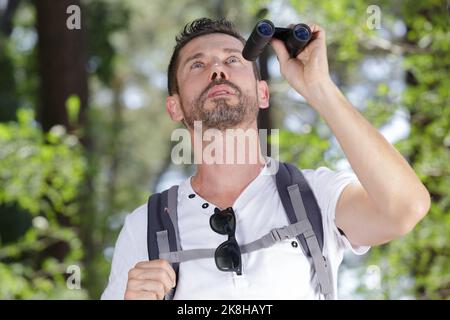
(173,107)
(263,94)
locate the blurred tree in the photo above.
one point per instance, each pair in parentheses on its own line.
(55,191)
(423,255)
(102,20)
(40,175)
(418,264)
(7,16)
(8,94)
(62,64)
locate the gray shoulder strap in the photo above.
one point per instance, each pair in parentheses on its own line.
(320,264)
(187,255)
(303,226)
(276,235)
(268,240)
(172,203)
(162,238)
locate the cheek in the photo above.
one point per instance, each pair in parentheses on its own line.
(191,88)
(250,88)
(246,80)
(186,95)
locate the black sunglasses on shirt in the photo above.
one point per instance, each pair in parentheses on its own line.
(227,255)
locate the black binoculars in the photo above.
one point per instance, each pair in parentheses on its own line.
(295,39)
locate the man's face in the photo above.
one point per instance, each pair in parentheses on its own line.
(216,84)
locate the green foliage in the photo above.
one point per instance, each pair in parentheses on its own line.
(8,95)
(306,150)
(42,229)
(104,18)
(39,173)
(73,108)
(423,255)
(18,76)
(417,265)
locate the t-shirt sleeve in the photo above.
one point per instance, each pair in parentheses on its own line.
(120,266)
(130,249)
(327,186)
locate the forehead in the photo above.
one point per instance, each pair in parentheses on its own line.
(208,43)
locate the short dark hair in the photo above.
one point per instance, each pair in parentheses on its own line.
(197,28)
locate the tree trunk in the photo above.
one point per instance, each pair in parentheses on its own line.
(62,57)
(62,64)
(6,26)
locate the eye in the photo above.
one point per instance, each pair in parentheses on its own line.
(197,64)
(233,59)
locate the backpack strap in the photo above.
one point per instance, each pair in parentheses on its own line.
(268,240)
(172,205)
(301,206)
(319,261)
(286,176)
(162,227)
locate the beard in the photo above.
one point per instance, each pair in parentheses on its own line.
(223,114)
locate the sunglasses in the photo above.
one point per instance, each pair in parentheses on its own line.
(227,255)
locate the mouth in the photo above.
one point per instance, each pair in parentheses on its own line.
(220,90)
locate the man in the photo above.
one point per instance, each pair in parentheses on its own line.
(209,81)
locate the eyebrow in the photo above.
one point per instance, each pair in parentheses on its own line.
(231,50)
(201,55)
(193,57)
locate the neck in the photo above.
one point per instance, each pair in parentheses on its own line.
(236,165)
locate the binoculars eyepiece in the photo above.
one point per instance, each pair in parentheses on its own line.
(295,39)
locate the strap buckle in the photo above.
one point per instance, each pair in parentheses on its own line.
(280,234)
(309,234)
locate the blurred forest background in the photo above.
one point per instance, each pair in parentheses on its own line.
(84,137)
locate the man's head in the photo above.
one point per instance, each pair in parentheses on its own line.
(210,81)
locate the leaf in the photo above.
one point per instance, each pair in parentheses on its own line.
(73,108)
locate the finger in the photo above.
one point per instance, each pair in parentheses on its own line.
(151,264)
(158,263)
(280,50)
(303,56)
(159,275)
(168,268)
(317,31)
(165,265)
(147,264)
(156,287)
(140,295)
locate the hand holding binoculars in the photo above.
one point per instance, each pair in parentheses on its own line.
(295,39)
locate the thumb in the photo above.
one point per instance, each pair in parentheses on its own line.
(280,50)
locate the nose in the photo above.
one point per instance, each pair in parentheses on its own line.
(218,72)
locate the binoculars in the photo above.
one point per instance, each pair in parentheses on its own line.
(295,39)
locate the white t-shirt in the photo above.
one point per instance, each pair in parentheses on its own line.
(278,272)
